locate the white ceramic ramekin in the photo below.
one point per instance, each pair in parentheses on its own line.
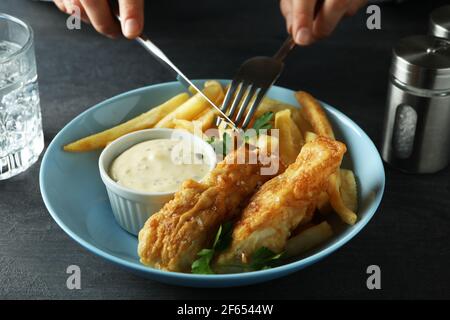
(132,208)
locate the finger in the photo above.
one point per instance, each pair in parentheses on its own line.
(132,17)
(286,11)
(69,6)
(83,15)
(331,13)
(355,6)
(99,13)
(302,21)
(60,5)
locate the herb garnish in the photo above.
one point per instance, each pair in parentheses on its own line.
(202,264)
(264,258)
(211,139)
(222,240)
(263,122)
(227,143)
(224,146)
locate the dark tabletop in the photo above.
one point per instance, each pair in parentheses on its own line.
(408,237)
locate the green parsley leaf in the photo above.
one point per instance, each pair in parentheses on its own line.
(221,146)
(227,144)
(211,140)
(223,237)
(263,122)
(202,264)
(222,240)
(264,258)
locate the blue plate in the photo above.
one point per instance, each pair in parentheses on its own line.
(76,197)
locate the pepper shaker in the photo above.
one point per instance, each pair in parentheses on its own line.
(440,22)
(417,121)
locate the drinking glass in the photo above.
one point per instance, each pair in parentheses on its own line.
(21,137)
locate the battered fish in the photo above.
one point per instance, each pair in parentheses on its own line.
(282,203)
(172,237)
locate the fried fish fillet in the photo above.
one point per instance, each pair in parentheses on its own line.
(172,237)
(282,203)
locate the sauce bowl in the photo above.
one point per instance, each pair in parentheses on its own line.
(132,208)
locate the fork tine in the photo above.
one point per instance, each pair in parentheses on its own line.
(252,109)
(238,99)
(226,100)
(244,104)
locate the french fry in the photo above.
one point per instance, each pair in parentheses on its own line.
(291,139)
(347,215)
(192,90)
(219,99)
(192,107)
(143,121)
(313,112)
(310,136)
(209,83)
(303,124)
(308,239)
(348,189)
(183,125)
(207,118)
(271,105)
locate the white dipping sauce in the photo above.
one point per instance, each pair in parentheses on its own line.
(159,165)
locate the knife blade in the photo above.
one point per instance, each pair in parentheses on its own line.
(171,67)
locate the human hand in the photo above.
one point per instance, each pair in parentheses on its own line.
(99,14)
(300,22)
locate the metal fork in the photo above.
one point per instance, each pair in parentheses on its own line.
(252,81)
(250,84)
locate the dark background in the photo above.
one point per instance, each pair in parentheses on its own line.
(408,237)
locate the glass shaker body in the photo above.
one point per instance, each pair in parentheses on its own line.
(417,128)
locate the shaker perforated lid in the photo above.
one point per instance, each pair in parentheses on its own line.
(440,22)
(422,62)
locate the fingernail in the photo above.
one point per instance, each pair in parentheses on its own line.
(131,27)
(303,36)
